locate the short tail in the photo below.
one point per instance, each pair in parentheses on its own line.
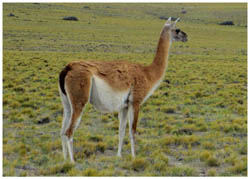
(62,78)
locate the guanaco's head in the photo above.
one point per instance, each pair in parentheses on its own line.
(175,33)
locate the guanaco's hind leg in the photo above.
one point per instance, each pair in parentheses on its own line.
(133,114)
(78,91)
(65,123)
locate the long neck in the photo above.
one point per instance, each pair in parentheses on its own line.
(159,64)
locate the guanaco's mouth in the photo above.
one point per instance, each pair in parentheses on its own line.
(184,40)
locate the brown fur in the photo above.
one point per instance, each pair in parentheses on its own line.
(120,75)
(77,86)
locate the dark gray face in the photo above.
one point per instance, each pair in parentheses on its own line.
(178,35)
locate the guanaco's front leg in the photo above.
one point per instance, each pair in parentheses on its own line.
(123,116)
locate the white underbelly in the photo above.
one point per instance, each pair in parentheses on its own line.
(105,99)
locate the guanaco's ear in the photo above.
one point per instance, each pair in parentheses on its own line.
(168,21)
(177,20)
(174,24)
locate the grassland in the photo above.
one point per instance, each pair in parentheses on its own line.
(195,124)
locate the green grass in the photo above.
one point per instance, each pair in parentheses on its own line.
(196,125)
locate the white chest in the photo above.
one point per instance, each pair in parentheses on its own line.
(151,91)
(104,98)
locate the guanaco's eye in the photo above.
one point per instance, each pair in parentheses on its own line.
(177,31)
